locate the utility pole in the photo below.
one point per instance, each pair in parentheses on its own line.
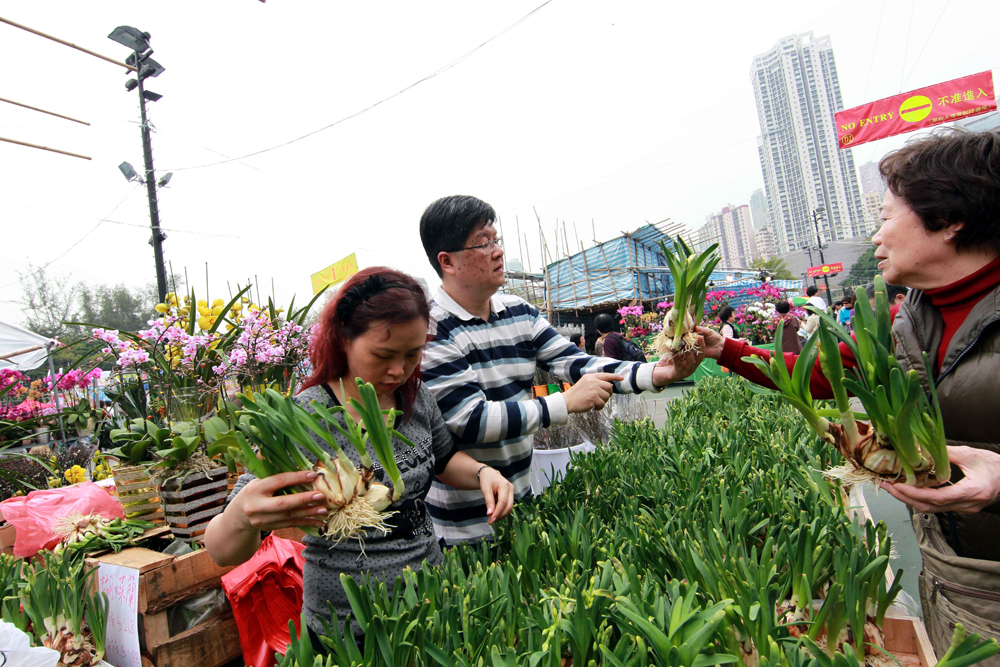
(146,67)
(154,207)
(817,212)
(808,251)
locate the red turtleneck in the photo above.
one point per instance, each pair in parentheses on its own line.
(955,301)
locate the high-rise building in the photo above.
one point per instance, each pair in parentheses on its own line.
(872,202)
(797,93)
(765,242)
(758,209)
(733,231)
(871,179)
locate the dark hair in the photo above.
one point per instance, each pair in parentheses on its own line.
(951,176)
(370,295)
(575,339)
(603,323)
(725,313)
(447,223)
(847,301)
(782,307)
(812,290)
(891,291)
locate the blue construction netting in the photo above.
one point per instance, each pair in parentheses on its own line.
(629,267)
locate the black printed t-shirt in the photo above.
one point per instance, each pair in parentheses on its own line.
(410,543)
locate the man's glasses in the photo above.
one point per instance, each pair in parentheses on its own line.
(485,247)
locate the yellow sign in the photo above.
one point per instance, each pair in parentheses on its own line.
(337,272)
(915,109)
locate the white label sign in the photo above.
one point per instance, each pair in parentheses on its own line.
(122,587)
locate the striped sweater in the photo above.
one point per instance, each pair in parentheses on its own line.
(481,374)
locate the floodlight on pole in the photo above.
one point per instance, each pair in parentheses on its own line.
(165,179)
(129,172)
(138,42)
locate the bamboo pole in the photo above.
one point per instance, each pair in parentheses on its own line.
(607,266)
(529,251)
(43,148)
(586,273)
(51,113)
(65,43)
(569,259)
(17,353)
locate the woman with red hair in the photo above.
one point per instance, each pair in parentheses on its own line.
(374,329)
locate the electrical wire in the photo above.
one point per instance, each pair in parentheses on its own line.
(906,49)
(871,66)
(947,2)
(430,76)
(78,242)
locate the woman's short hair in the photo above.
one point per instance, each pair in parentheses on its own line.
(782,307)
(951,176)
(575,339)
(725,313)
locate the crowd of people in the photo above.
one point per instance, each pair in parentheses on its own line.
(461,365)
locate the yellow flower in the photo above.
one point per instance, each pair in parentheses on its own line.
(161,308)
(218,302)
(218,310)
(243,299)
(204,311)
(75,475)
(205,322)
(54,483)
(202,302)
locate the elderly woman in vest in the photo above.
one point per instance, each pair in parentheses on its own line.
(940,237)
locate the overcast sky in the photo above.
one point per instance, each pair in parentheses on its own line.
(616,112)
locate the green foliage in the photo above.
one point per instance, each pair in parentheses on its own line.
(775,265)
(628,561)
(864,270)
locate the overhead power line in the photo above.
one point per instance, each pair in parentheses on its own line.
(931,34)
(44,148)
(65,43)
(51,113)
(368,108)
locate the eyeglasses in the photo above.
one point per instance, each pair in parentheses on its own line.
(486,247)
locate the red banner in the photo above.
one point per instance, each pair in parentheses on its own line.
(917,109)
(824,270)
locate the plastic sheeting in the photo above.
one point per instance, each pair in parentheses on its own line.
(14,338)
(628,267)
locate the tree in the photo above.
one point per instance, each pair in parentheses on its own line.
(116,306)
(775,266)
(48,302)
(864,269)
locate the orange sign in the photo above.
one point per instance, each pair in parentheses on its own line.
(824,270)
(917,109)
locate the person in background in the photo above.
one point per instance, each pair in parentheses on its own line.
(846,311)
(790,334)
(896,294)
(940,237)
(604,325)
(482,352)
(727,316)
(577,339)
(812,292)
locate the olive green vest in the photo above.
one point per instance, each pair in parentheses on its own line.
(968,387)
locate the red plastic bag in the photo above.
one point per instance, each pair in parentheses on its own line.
(35,514)
(265,593)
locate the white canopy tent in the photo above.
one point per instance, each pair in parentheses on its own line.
(23,350)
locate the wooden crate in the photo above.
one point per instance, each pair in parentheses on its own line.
(905,636)
(164,581)
(133,485)
(7,536)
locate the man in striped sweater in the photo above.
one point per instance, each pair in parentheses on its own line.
(481,356)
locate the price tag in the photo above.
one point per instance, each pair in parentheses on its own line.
(121,584)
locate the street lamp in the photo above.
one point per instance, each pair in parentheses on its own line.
(146,68)
(820,212)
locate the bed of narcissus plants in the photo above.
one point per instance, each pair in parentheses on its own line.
(714,540)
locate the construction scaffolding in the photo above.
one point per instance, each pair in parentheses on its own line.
(626,269)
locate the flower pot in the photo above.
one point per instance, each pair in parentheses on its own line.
(190,404)
(189,504)
(137,494)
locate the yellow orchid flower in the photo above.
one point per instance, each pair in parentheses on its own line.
(205,322)
(217,310)
(202,302)
(204,311)
(218,302)
(161,308)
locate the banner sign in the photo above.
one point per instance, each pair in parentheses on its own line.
(337,272)
(917,109)
(824,270)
